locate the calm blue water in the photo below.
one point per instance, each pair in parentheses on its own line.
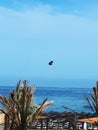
(70,97)
(69,93)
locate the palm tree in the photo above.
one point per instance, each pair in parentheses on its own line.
(19,107)
(92,100)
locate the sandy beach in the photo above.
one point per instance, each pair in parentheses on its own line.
(1,121)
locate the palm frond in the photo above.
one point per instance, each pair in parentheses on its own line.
(89,102)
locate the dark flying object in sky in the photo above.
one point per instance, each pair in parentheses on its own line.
(51,62)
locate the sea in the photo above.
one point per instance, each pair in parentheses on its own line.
(67,93)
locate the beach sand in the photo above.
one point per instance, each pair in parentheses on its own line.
(1,121)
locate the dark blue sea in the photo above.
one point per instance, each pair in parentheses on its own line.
(69,93)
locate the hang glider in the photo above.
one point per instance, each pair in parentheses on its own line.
(51,62)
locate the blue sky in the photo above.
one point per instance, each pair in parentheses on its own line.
(36,31)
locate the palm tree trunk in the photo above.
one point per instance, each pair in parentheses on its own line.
(23,127)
